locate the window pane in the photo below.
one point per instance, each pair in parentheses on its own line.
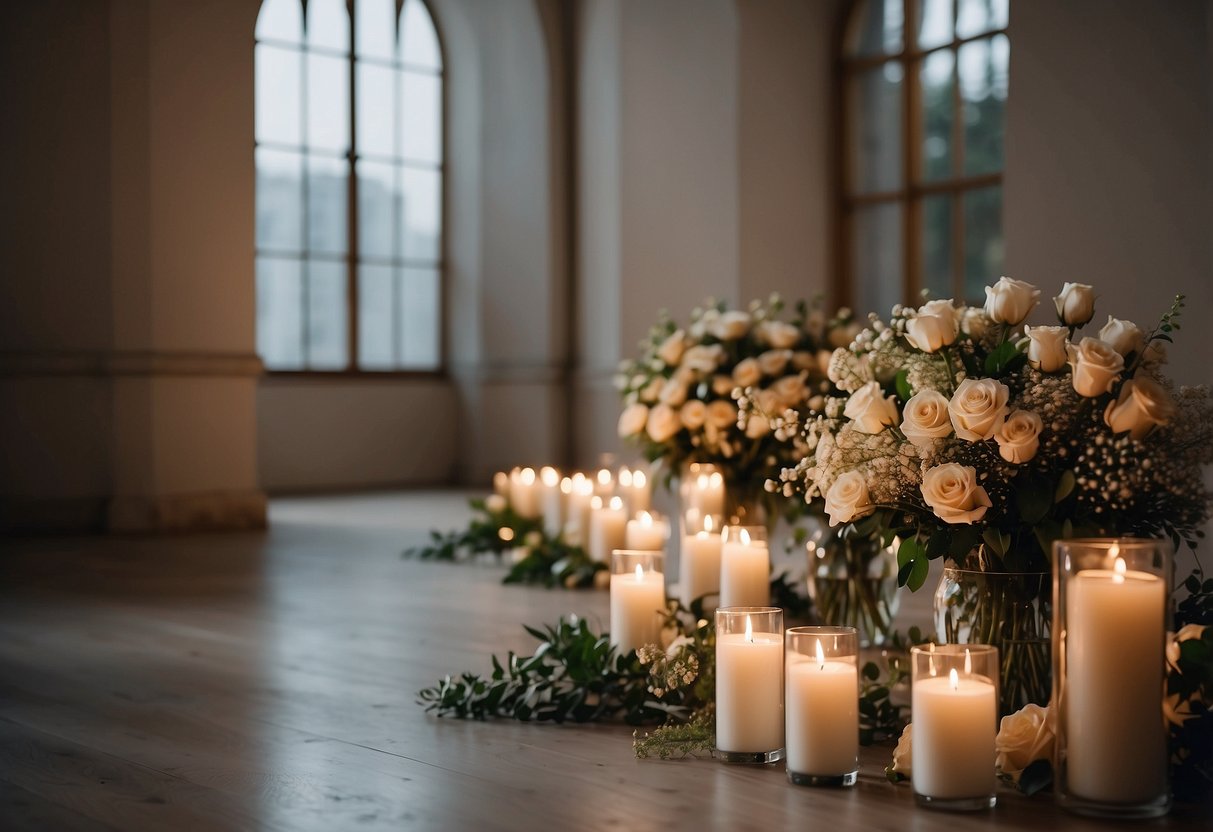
(876,28)
(876,129)
(376,307)
(279,200)
(984,66)
(419,40)
(281,20)
(934,23)
(421,214)
(983,240)
(421,117)
(279,75)
(376,29)
(420,315)
(876,252)
(326,320)
(935,79)
(937,246)
(976,16)
(376,109)
(280,313)
(327,197)
(328,103)
(328,25)
(376,199)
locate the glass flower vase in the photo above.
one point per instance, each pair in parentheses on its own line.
(853,583)
(1012,611)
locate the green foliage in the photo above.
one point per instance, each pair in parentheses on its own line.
(880,718)
(1190,681)
(676,741)
(791,596)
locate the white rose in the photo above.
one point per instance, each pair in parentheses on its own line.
(778,335)
(673,393)
(1011,301)
(925,417)
(757,426)
(1142,404)
(975,322)
(693,414)
(848,499)
(1123,336)
(935,326)
(903,754)
(632,420)
(870,410)
(804,360)
(791,391)
(1096,366)
(495,503)
(978,407)
(722,414)
(722,385)
(672,348)
(1047,347)
(731,325)
(652,390)
(1023,738)
(747,373)
(703,358)
(664,422)
(1173,639)
(1076,304)
(952,492)
(841,337)
(774,362)
(1019,436)
(824,357)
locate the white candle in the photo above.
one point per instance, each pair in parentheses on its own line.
(551,501)
(953,749)
(700,566)
(1115,740)
(636,490)
(707,493)
(604,484)
(501,484)
(524,493)
(608,528)
(745,572)
(822,715)
(577,510)
(749,691)
(647,533)
(637,604)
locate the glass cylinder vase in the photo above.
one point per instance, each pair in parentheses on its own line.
(1013,612)
(853,583)
(821,698)
(1109,668)
(749,684)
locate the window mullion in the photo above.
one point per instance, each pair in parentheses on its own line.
(909,207)
(352,225)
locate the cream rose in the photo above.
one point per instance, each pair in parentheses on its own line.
(790,390)
(1076,304)
(774,362)
(722,414)
(673,347)
(975,322)
(870,410)
(652,390)
(673,392)
(1096,366)
(723,385)
(1019,436)
(935,326)
(824,357)
(731,325)
(778,335)
(1023,738)
(848,499)
(903,753)
(925,417)
(1142,404)
(703,358)
(952,492)
(1173,639)
(1123,336)
(693,414)
(840,337)
(978,407)
(1011,301)
(757,426)
(804,360)
(633,419)
(747,373)
(664,422)
(1047,347)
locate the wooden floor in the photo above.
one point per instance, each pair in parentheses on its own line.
(268,682)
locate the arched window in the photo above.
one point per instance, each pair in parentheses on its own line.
(924,92)
(349,140)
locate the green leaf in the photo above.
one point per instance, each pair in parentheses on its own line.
(1036,777)
(1003,359)
(902,382)
(994,540)
(1065,486)
(918,575)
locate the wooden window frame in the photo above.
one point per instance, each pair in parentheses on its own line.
(912,191)
(352,257)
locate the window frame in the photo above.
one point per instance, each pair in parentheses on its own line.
(909,197)
(351,257)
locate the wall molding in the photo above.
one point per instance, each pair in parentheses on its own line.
(129,363)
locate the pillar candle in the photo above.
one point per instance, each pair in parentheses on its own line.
(745,572)
(551,501)
(1114,662)
(501,484)
(749,691)
(637,604)
(953,749)
(577,510)
(707,493)
(647,533)
(608,528)
(700,566)
(822,704)
(524,493)
(604,484)
(636,490)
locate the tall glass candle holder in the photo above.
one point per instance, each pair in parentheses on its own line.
(699,565)
(702,488)
(637,599)
(1109,631)
(821,702)
(749,684)
(745,567)
(954,700)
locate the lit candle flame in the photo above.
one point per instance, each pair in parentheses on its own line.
(702,482)
(954,679)
(821,656)
(596,503)
(707,524)
(1118,571)
(550,476)
(717,480)
(968,663)
(506,533)
(639,574)
(639,480)
(566,486)
(527,476)
(616,504)
(745,537)
(645,519)
(625,477)
(749,630)
(604,476)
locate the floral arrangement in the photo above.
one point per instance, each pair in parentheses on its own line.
(678,394)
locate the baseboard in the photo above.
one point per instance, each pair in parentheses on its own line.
(51,515)
(175,513)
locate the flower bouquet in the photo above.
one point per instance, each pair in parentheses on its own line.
(968,436)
